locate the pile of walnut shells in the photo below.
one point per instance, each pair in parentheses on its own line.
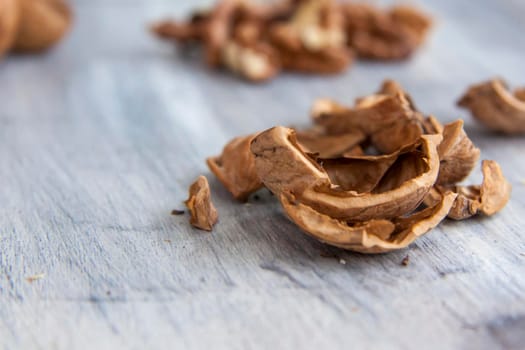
(257,41)
(371,178)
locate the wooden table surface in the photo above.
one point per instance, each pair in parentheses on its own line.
(101,137)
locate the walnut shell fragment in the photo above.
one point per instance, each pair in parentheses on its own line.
(374,236)
(494,106)
(235,168)
(327,145)
(488,198)
(412,20)
(9,18)
(203,212)
(256,62)
(457,154)
(388,118)
(285,168)
(313,39)
(386,35)
(42,24)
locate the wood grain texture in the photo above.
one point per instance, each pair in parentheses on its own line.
(101,137)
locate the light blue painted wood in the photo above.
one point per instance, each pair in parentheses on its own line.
(101,137)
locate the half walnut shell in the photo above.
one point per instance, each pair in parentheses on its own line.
(374,236)
(496,107)
(285,168)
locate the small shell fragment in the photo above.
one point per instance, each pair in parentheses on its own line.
(203,212)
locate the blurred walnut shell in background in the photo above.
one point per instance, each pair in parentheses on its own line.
(42,24)
(9,14)
(32,25)
(496,107)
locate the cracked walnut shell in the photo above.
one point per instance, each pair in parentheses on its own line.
(32,25)
(488,198)
(284,168)
(9,17)
(203,212)
(493,105)
(42,24)
(374,236)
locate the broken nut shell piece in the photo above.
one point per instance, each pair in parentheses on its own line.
(257,62)
(42,24)
(374,236)
(283,167)
(235,168)
(9,18)
(497,108)
(203,212)
(457,154)
(488,198)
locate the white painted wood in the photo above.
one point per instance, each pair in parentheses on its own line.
(101,137)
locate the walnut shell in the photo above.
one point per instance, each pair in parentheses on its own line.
(372,237)
(42,24)
(9,18)
(323,145)
(284,168)
(203,212)
(488,198)
(235,168)
(457,154)
(493,105)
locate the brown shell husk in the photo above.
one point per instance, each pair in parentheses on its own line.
(457,154)
(9,19)
(520,94)
(488,198)
(235,168)
(329,146)
(255,62)
(203,212)
(388,118)
(385,35)
(494,106)
(332,184)
(284,167)
(374,236)
(42,24)
(413,21)
(313,40)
